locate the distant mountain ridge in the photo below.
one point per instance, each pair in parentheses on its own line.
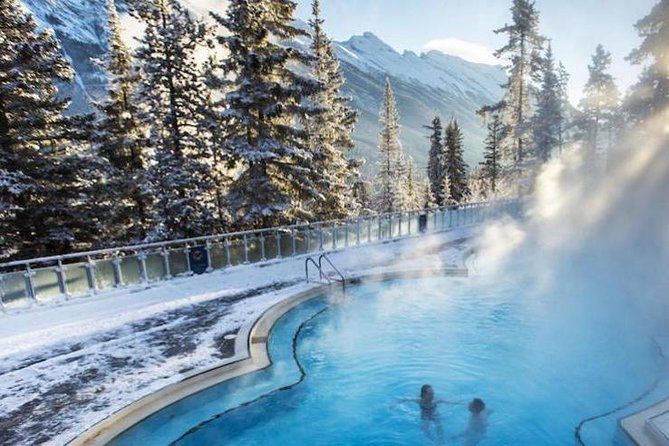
(425,85)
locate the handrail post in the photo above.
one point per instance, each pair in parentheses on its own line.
(227,243)
(262,247)
(369,230)
(246,250)
(189,269)
(118,273)
(277,235)
(390,226)
(142,268)
(207,247)
(90,275)
(166,263)
(346,234)
(62,279)
(357,231)
(320,234)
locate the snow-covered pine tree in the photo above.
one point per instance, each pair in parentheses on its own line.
(600,104)
(548,120)
(650,95)
(391,178)
(565,106)
(172,93)
(45,180)
(413,195)
(456,168)
(119,138)
(479,187)
(264,99)
(523,53)
(491,167)
(330,130)
(363,194)
(435,163)
(427,197)
(447,192)
(219,161)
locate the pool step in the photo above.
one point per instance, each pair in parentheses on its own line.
(649,427)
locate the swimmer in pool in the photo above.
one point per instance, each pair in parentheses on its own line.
(478,423)
(428,413)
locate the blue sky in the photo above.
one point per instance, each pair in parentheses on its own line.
(464,27)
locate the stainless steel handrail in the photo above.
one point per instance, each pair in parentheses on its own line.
(327,259)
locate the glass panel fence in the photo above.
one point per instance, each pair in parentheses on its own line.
(155,266)
(45,281)
(130,269)
(218,254)
(178,262)
(104,274)
(13,289)
(76,279)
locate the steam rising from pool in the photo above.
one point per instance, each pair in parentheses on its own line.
(599,236)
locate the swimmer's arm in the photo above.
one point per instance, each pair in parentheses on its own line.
(452,403)
(404,400)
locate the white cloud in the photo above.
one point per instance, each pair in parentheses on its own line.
(473,52)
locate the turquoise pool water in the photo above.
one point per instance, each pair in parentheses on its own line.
(542,363)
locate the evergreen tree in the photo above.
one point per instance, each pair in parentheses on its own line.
(650,95)
(264,98)
(119,138)
(46,184)
(172,93)
(491,168)
(565,106)
(435,164)
(363,196)
(456,168)
(390,179)
(548,120)
(523,52)
(330,130)
(428,201)
(600,102)
(219,161)
(447,192)
(412,189)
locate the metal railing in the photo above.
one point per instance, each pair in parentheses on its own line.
(88,273)
(323,277)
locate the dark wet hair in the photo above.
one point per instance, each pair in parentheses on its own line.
(477,405)
(424,390)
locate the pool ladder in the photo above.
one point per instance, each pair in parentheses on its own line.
(324,277)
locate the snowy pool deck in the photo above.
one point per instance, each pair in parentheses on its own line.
(66,367)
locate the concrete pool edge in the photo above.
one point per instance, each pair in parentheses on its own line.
(251,355)
(638,429)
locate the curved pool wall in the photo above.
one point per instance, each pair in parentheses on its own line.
(378,344)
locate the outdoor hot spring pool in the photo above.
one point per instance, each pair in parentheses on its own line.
(542,363)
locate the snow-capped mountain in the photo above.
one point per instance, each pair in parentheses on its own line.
(425,84)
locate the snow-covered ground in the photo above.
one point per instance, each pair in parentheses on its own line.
(66,367)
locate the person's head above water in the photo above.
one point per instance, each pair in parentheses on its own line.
(426,392)
(476,406)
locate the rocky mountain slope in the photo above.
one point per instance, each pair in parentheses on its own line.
(425,84)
